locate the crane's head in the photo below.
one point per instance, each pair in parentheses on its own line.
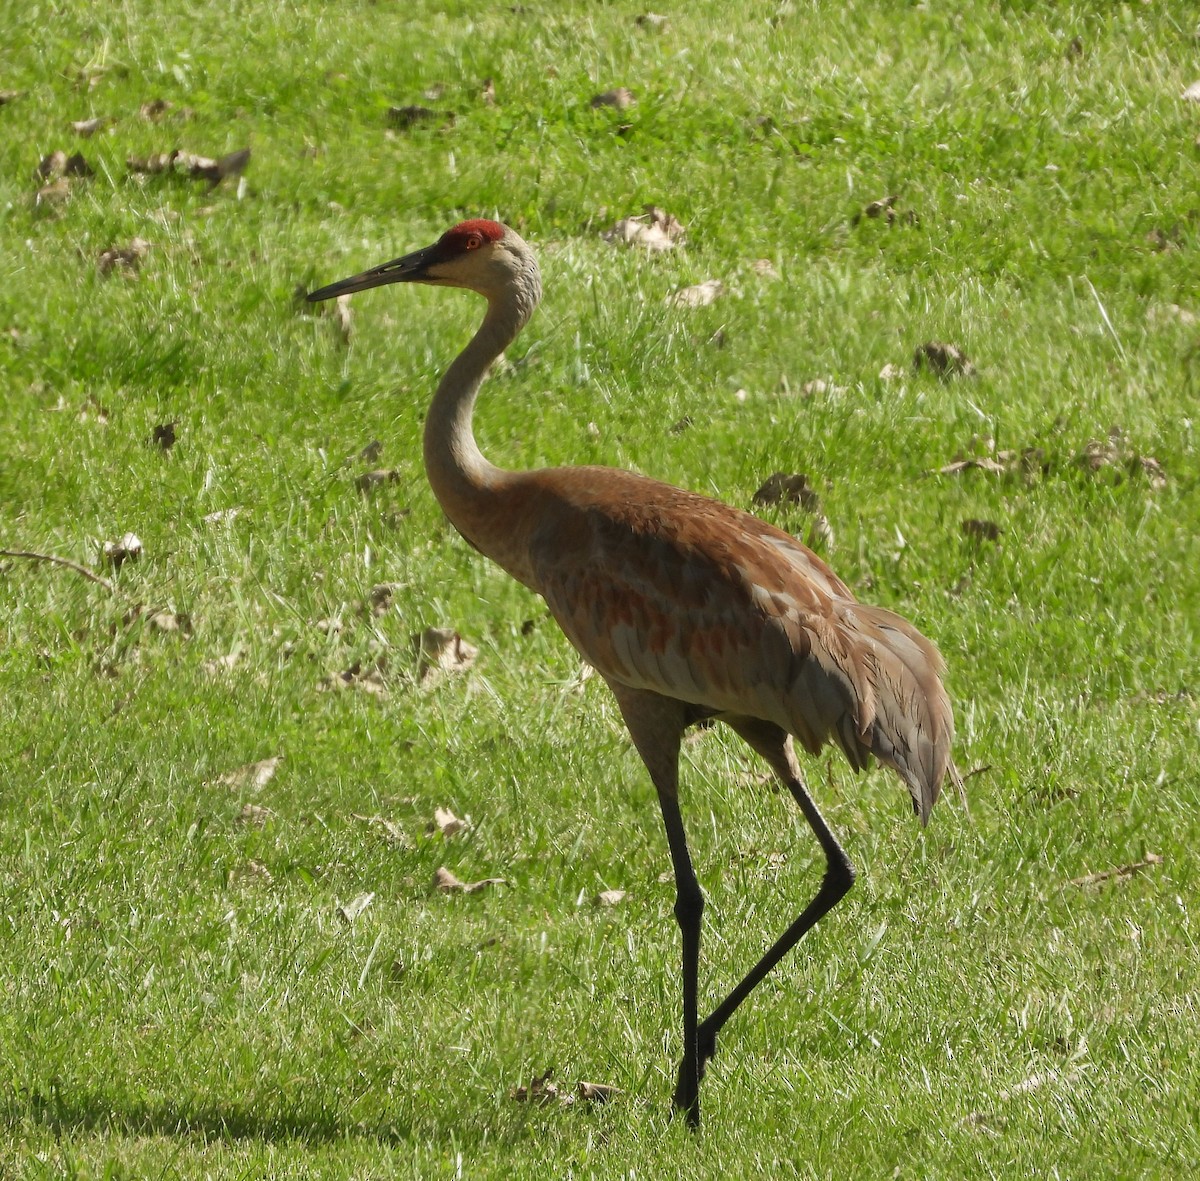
(480,255)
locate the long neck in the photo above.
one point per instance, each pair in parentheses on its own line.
(466,484)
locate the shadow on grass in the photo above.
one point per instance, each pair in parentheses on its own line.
(62,1110)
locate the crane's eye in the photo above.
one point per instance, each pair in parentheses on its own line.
(473,242)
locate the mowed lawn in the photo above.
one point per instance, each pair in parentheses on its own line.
(225,769)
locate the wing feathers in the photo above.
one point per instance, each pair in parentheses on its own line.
(667,591)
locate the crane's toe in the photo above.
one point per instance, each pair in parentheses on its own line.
(687,1093)
(690,1110)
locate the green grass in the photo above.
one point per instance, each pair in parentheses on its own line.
(967,1012)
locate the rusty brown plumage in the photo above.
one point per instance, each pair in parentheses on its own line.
(688,608)
(667,591)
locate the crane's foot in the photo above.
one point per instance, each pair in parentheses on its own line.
(691,1113)
(687,1094)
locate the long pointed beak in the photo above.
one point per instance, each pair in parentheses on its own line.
(409,269)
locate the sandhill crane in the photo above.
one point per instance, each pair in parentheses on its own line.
(688,608)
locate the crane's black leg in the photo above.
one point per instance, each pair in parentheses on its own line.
(775,745)
(656,725)
(689,908)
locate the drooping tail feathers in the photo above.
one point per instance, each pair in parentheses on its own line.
(875,687)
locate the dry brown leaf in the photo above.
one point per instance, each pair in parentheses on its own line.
(981,530)
(1100,453)
(379,598)
(190,165)
(942,358)
(9,96)
(487,92)
(90,76)
(1030,461)
(349,911)
(369,481)
(1120,873)
(166,619)
(159,619)
(392,832)
(155,108)
(891,372)
(597,1092)
(58,163)
(368,678)
(1192,93)
(610,897)
(990,1121)
(213,171)
(254,815)
(220,666)
(129,548)
(151,165)
(251,871)
(406,118)
(883,208)
(1034,1082)
(782,488)
(251,777)
(88,127)
(339,309)
(619,98)
(93,410)
(127,258)
(654,230)
(1037,1080)
(1168,239)
(820,533)
(540,1090)
(819,386)
(1151,469)
(983,463)
(764,267)
(441,650)
(1164,696)
(754,780)
(445,822)
(1171,313)
(447,883)
(52,195)
(221,516)
(410,116)
(699,296)
(163,436)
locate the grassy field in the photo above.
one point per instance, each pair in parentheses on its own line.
(182,992)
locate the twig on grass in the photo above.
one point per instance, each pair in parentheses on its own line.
(1121,871)
(35,557)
